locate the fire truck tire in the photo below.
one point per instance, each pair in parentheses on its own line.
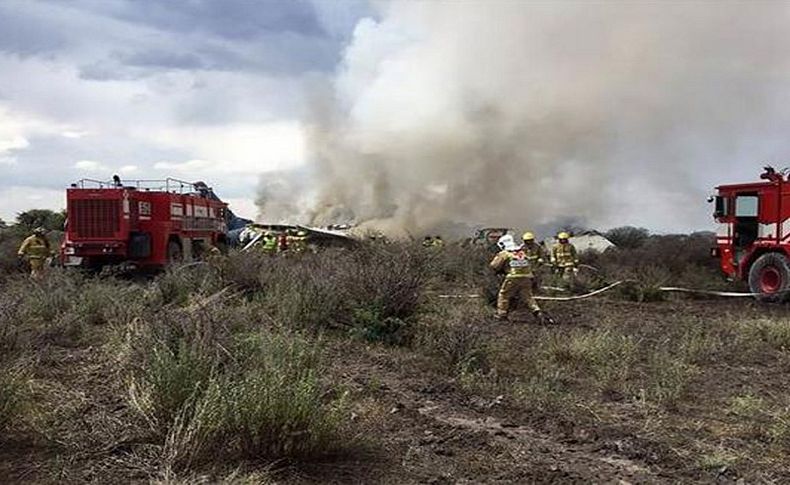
(769,278)
(174,253)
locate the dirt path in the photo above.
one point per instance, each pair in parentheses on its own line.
(435,434)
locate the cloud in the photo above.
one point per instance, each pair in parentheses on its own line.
(90,166)
(74,134)
(239,149)
(16,199)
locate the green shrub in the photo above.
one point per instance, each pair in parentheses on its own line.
(169,382)
(369,324)
(211,386)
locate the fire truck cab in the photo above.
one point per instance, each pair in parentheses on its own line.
(144,224)
(753,235)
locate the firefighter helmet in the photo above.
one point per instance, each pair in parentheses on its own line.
(528,236)
(563,236)
(506,243)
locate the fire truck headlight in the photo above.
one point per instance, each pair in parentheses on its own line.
(68,250)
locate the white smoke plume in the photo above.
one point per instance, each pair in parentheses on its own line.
(523,113)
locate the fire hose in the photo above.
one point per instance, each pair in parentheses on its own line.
(666,289)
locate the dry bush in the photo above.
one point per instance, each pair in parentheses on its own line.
(645,284)
(672,260)
(373,291)
(628,237)
(10,240)
(453,334)
(457,265)
(14,395)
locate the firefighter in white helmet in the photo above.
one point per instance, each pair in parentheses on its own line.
(565,259)
(512,260)
(36,249)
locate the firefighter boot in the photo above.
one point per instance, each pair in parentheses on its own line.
(543,318)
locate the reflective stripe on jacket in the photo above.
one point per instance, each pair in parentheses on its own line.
(35,247)
(514,263)
(564,255)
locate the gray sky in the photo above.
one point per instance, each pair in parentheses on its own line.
(207,90)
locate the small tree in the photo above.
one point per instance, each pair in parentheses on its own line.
(50,220)
(628,237)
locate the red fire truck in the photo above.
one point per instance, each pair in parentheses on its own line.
(142,224)
(753,235)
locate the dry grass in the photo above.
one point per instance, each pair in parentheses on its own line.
(214,372)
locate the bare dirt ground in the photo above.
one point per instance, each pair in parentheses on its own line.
(416,420)
(436,431)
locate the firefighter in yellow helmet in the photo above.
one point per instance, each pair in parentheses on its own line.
(298,242)
(565,260)
(437,242)
(512,260)
(536,255)
(36,249)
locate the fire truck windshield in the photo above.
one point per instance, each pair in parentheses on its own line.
(746,206)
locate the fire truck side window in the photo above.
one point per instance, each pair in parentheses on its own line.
(721,207)
(746,206)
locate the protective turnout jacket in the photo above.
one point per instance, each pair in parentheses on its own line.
(35,247)
(535,254)
(515,264)
(564,255)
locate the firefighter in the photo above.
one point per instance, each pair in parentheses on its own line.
(282,242)
(437,242)
(427,242)
(564,259)
(213,251)
(36,249)
(512,260)
(536,255)
(269,245)
(299,242)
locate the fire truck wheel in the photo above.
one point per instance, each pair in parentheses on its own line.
(770,277)
(174,253)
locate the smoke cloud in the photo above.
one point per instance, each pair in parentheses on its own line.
(524,113)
